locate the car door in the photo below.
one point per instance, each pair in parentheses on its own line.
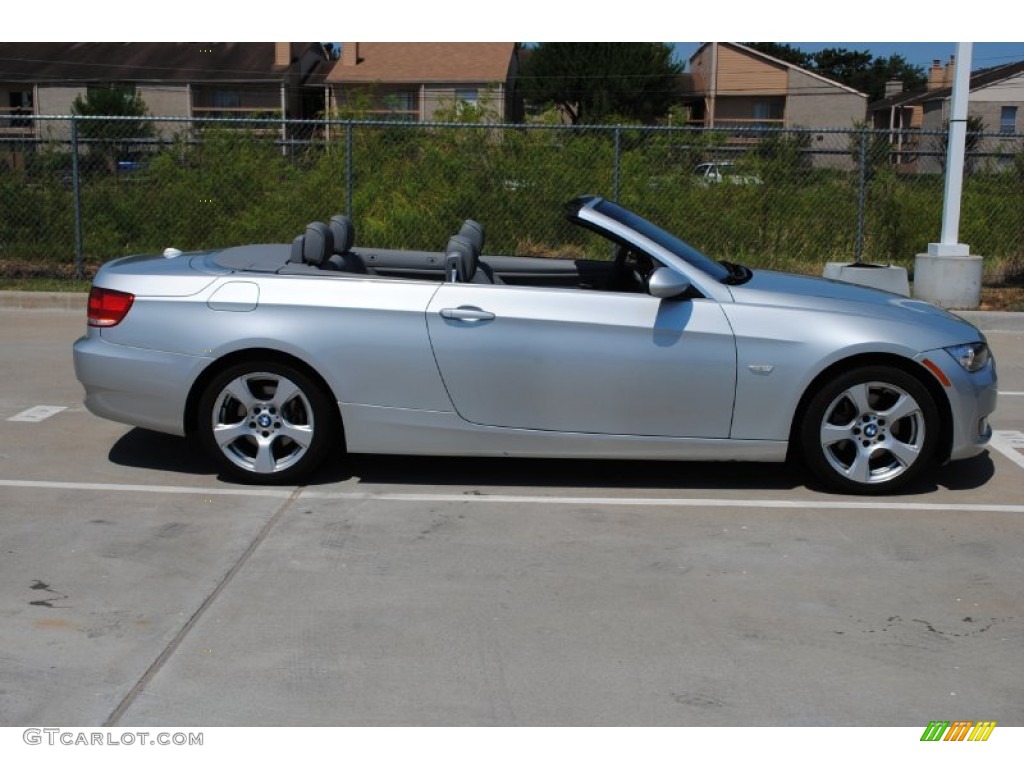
(574,360)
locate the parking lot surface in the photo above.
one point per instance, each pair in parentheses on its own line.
(137,588)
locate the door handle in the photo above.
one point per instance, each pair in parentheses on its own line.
(469,314)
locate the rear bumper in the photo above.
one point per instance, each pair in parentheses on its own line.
(141,387)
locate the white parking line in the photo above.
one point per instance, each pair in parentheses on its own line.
(1012,394)
(669,502)
(1007,443)
(477,497)
(277,493)
(37,413)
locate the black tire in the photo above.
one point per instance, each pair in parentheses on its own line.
(871,430)
(266,423)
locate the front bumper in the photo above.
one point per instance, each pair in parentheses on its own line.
(972,399)
(141,387)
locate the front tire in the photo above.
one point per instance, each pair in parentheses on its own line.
(266,423)
(872,430)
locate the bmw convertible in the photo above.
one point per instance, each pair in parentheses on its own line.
(275,357)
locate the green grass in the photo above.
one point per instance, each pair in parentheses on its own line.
(413,187)
(44,284)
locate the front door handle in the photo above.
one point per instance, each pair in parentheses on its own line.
(470,314)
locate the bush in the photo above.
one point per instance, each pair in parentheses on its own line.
(413,185)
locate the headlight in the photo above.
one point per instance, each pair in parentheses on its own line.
(972,357)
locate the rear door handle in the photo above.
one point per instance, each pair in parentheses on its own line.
(470,314)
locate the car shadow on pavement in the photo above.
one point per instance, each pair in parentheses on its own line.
(959,476)
(594,473)
(968,474)
(144,449)
(556,473)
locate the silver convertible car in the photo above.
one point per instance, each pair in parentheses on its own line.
(275,356)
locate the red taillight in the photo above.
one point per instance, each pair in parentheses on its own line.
(108,308)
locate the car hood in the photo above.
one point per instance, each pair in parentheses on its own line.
(780,289)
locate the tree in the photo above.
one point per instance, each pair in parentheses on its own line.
(596,82)
(109,138)
(972,142)
(893,68)
(841,65)
(785,52)
(859,70)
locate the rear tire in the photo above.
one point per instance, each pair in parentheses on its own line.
(872,430)
(266,423)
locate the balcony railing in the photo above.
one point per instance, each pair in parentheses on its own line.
(13,123)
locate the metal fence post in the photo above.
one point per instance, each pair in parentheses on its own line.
(861,196)
(618,154)
(348,169)
(76,196)
(792,190)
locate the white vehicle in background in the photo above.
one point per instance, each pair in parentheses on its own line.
(717,172)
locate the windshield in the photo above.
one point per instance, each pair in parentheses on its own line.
(669,242)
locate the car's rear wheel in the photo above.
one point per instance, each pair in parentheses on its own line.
(870,430)
(266,423)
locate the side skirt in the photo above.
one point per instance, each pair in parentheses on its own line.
(380,429)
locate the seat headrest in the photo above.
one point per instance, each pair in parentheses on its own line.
(319,244)
(461,258)
(344,233)
(474,232)
(298,245)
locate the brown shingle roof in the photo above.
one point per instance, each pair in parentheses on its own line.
(979,79)
(425,63)
(141,62)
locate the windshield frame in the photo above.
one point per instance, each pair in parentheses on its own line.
(661,237)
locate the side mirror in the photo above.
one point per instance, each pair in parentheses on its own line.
(665,283)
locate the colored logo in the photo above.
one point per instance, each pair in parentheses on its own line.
(958,730)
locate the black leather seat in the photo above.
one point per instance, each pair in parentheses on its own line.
(344,258)
(318,244)
(461,258)
(344,233)
(473,231)
(313,248)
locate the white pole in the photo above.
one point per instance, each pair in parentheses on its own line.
(948,275)
(955,147)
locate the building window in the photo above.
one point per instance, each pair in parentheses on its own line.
(20,103)
(466,102)
(226,99)
(401,106)
(216,100)
(1008,120)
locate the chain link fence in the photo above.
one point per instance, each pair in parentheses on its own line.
(75,192)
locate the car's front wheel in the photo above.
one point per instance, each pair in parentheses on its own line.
(870,430)
(266,423)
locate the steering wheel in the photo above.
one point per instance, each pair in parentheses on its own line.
(643,265)
(630,270)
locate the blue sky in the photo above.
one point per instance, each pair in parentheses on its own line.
(921,54)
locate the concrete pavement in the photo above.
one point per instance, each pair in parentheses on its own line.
(137,588)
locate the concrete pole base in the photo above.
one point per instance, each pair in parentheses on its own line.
(886,278)
(952,282)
